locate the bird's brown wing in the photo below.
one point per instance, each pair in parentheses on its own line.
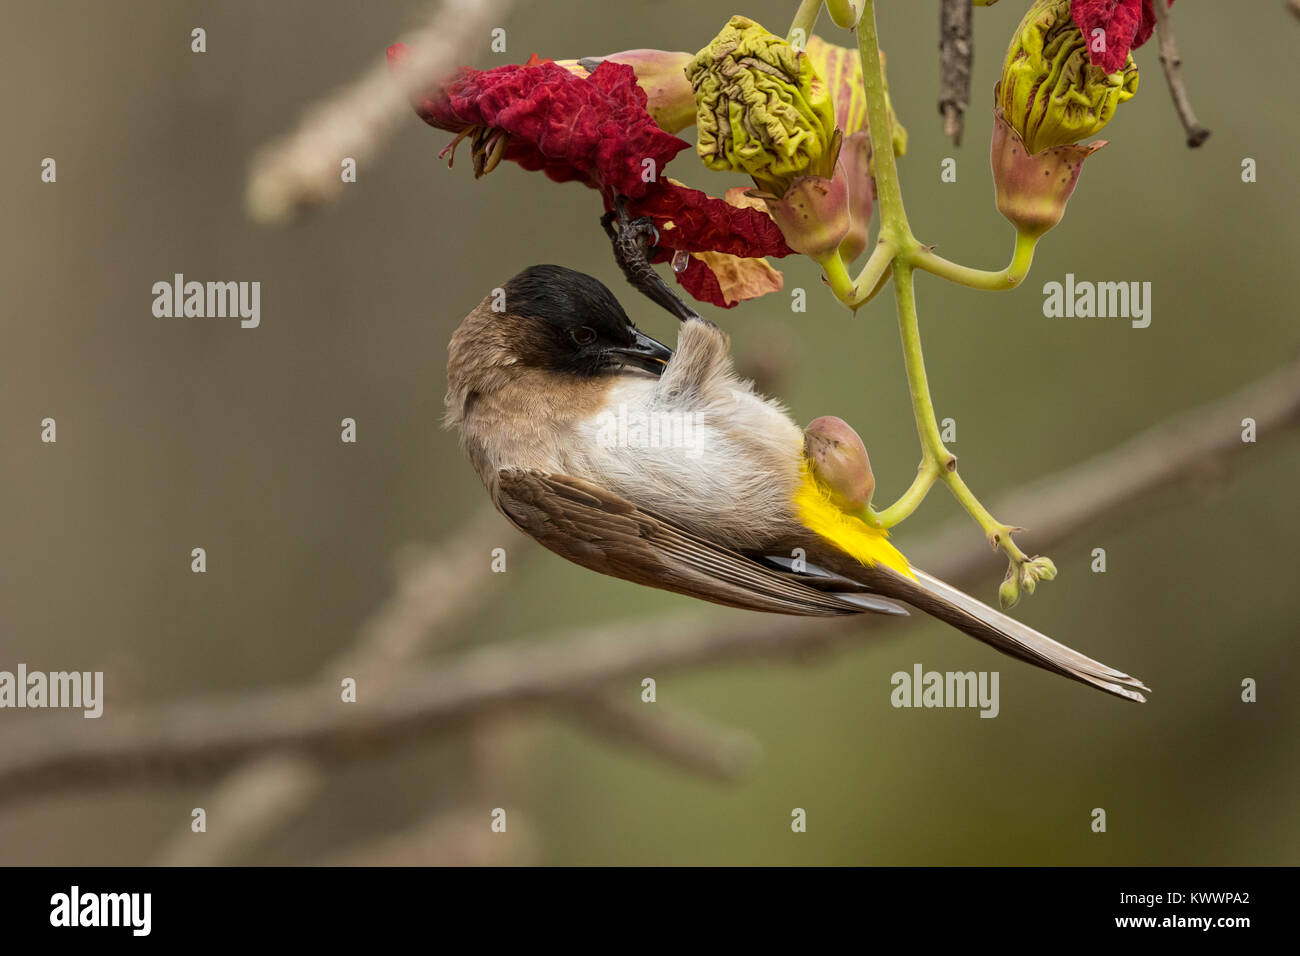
(600,530)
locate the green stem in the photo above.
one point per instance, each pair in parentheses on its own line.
(869,279)
(926,476)
(899,249)
(1008,278)
(805,18)
(937,457)
(927,426)
(999,534)
(893,218)
(837,277)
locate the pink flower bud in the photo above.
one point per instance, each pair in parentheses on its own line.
(813,215)
(839,461)
(662,75)
(856,159)
(1033,188)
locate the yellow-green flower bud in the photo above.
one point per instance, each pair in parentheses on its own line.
(1028,580)
(1009,592)
(761,108)
(1025,577)
(1050,93)
(1044,567)
(845,13)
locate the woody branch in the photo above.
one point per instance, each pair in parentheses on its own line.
(201,738)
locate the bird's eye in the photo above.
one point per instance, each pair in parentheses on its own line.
(583,335)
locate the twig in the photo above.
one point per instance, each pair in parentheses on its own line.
(303,169)
(956,54)
(196,739)
(1172,63)
(461,837)
(690,743)
(205,736)
(435,588)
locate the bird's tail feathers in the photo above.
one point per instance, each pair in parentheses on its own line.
(1016,638)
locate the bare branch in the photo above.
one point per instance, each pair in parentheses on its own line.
(719,753)
(203,737)
(303,169)
(1172,63)
(461,837)
(435,587)
(956,55)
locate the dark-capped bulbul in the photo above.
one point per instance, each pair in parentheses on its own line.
(735,515)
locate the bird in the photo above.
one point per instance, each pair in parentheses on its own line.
(551,386)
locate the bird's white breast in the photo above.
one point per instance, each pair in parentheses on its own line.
(722,465)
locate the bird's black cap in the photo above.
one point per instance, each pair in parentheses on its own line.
(580,326)
(559,296)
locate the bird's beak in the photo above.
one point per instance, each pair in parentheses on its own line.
(644,353)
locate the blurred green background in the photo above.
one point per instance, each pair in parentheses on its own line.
(174,434)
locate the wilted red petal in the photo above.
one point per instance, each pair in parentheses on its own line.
(594,129)
(693,221)
(1127,23)
(698,279)
(738,279)
(697,222)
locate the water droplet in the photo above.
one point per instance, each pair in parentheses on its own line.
(681,260)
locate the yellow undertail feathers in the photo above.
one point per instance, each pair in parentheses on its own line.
(851,535)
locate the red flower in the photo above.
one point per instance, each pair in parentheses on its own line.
(691,221)
(595,129)
(1126,23)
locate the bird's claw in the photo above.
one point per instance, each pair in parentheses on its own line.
(635,242)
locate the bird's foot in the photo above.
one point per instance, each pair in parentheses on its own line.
(634,242)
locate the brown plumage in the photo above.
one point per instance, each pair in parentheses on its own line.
(533,390)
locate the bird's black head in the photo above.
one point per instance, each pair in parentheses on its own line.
(572,323)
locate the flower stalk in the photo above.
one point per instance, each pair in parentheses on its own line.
(805,18)
(1050,97)
(1007,278)
(900,254)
